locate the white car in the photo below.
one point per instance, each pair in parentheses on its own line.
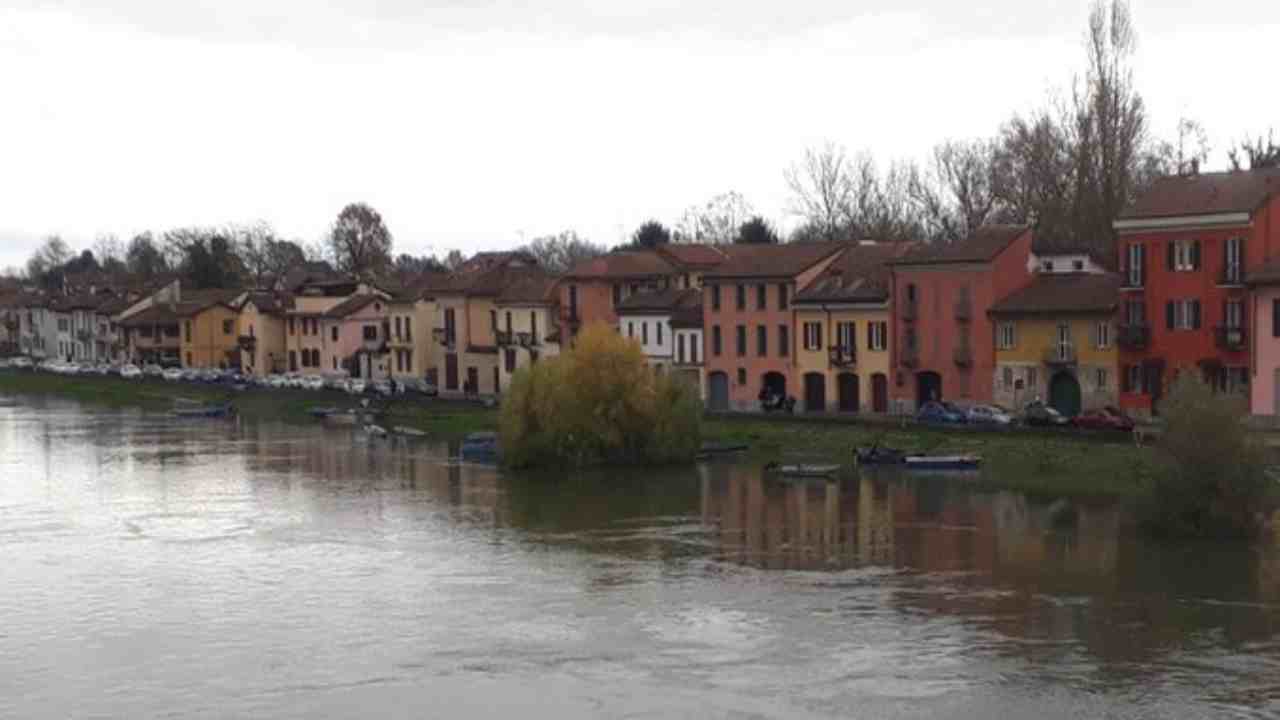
(20,363)
(277,381)
(153,371)
(355,387)
(313,382)
(130,372)
(989,415)
(173,374)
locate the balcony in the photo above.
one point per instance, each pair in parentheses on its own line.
(842,356)
(504,338)
(84,335)
(909,357)
(377,346)
(964,310)
(963,356)
(401,340)
(910,311)
(1133,338)
(1061,354)
(1231,339)
(444,336)
(527,340)
(247,342)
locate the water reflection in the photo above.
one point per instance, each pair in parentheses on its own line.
(277,571)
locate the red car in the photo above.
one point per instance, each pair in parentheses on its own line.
(1107,418)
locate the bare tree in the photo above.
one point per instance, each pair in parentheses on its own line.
(454,259)
(716,222)
(361,241)
(557,253)
(822,190)
(958,192)
(1258,153)
(47,261)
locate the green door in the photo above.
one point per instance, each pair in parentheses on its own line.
(1064,394)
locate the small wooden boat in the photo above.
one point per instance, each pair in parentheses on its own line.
(206,411)
(324,412)
(408,432)
(480,446)
(876,455)
(803,470)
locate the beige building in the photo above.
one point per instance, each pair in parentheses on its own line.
(412,314)
(528,329)
(261,333)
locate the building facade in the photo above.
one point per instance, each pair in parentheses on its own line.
(943,338)
(528,316)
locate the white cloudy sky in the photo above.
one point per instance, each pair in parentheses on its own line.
(472,124)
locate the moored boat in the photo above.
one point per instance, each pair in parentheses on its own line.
(480,447)
(803,470)
(403,431)
(876,455)
(206,411)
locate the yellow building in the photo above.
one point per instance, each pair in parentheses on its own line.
(528,329)
(1055,341)
(841,333)
(413,314)
(261,332)
(209,329)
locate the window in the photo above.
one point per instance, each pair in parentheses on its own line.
(1137,258)
(911,293)
(760,296)
(1275,318)
(397,324)
(1006,336)
(784,340)
(658,329)
(877,335)
(715,298)
(1135,313)
(1134,378)
(1182,315)
(1233,314)
(679,348)
(617,295)
(631,329)
(762,341)
(1103,335)
(510,360)
(812,336)
(644,332)
(1184,255)
(782,296)
(846,337)
(1233,261)
(186,329)
(1077,265)
(715,340)
(695,342)
(1100,378)
(742,340)
(370,333)
(334,333)
(493,320)
(533,325)
(1033,378)
(408,328)
(741,297)
(1006,378)
(335,362)
(573,301)
(742,376)
(291,326)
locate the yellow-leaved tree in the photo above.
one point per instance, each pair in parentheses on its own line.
(599,402)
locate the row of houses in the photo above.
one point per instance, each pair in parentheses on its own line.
(1191,284)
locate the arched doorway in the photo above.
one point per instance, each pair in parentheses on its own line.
(718,391)
(879,393)
(774,384)
(847,395)
(1064,394)
(928,387)
(815,392)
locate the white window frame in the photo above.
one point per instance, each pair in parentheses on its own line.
(1233,271)
(1104,334)
(847,336)
(1007,335)
(1183,255)
(811,330)
(1135,268)
(1235,314)
(877,332)
(1182,315)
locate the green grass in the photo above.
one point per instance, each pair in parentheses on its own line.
(1044,464)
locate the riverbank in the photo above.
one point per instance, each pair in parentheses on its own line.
(1045,464)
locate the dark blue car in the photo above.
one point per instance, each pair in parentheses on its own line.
(940,413)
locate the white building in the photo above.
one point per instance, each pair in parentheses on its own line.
(668,325)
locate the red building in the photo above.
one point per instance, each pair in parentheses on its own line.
(1185,248)
(944,343)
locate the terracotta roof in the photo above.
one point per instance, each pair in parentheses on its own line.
(533,286)
(768,261)
(155,315)
(982,246)
(351,305)
(1050,293)
(424,285)
(687,312)
(692,255)
(115,306)
(84,301)
(490,279)
(1205,194)
(622,264)
(651,301)
(861,274)
(270,303)
(1268,274)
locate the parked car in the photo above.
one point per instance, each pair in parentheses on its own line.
(335,382)
(989,415)
(313,382)
(130,372)
(20,363)
(381,387)
(355,387)
(152,371)
(937,411)
(1038,414)
(173,374)
(1105,418)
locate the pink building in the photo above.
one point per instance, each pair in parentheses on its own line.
(1265,301)
(355,334)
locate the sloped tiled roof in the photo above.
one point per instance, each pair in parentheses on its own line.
(352,305)
(861,274)
(768,261)
(158,314)
(534,286)
(423,286)
(1050,293)
(982,246)
(692,255)
(622,264)
(650,301)
(1268,274)
(1205,194)
(687,312)
(489,278)
(270,303)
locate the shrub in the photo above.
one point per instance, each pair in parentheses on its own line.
(1211,479)
(599,402)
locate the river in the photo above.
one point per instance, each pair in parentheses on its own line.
(212,569)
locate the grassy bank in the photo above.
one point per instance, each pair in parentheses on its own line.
(1040,463)
(446,419)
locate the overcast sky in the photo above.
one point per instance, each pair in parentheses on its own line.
(473,125)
